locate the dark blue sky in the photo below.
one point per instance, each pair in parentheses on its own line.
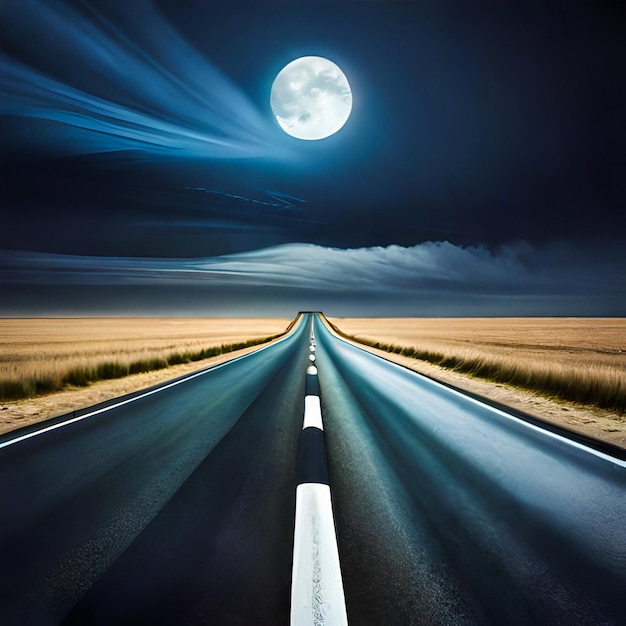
(485,136)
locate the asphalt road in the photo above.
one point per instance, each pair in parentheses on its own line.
(451,512)
(174,508)
(179,507)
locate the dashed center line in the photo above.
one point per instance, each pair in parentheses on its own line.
(317,595)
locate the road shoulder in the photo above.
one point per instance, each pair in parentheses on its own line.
(15,414)
(606,426)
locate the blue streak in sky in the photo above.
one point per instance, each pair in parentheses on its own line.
(277,200)
(126,81)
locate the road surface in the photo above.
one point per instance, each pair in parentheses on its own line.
(179,506)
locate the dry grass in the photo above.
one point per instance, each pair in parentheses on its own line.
(43,355)
(579,359)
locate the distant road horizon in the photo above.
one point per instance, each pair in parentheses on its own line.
(179,504)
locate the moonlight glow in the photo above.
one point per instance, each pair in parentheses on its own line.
(311,98)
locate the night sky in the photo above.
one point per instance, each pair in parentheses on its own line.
(482,171)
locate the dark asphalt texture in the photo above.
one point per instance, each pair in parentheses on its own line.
(175,508)
(178,508)
(448,512)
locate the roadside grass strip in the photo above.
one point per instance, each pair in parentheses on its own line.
(84,375)
(585,386)
(64,420)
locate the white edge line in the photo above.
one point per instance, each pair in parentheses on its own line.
(210,368)
(519,420)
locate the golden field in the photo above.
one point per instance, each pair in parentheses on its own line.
(577,359)
(44,355)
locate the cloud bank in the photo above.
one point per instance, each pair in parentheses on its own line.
(433,278)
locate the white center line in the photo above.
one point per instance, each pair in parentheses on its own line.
(312,413)
(317,596)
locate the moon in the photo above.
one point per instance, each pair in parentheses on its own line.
(311,98)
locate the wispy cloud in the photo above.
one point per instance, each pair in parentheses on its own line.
(431,278)
(100,82)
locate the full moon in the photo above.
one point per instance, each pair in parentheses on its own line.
(311,98)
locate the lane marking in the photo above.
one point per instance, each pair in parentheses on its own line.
(69,421)
(317,595)
(312,413)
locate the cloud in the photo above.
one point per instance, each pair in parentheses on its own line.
(82,81)
(433,278)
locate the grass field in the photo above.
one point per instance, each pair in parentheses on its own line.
(39,356)
(577,359)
